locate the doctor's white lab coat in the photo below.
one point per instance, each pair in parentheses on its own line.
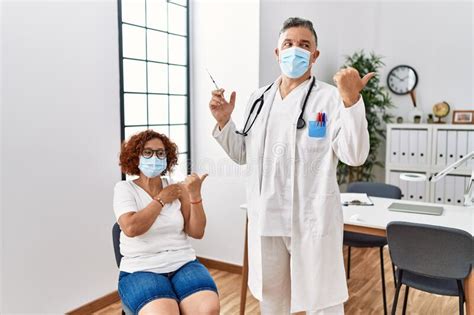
(317,267)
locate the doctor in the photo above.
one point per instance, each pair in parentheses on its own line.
(296,130)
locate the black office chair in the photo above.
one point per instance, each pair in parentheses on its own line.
(118,258)
(430,258)
(353,239)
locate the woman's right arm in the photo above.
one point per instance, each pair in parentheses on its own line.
(135,223)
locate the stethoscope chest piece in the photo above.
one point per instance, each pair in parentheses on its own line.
(301,123)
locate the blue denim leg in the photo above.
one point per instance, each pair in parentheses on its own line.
(191,278)
(139,288)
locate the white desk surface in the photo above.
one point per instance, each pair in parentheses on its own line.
(378,215)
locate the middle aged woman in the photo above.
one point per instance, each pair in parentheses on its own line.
(159,272)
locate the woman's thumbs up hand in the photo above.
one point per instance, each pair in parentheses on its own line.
(193,184)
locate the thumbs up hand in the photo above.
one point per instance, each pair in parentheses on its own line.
(193,185)
(349,83)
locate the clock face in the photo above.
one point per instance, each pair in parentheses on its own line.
(402,79)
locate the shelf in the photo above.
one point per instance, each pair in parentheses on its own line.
(460,171)
(431,126)
(428,139)
(408,168)
(408,126)
(424,169)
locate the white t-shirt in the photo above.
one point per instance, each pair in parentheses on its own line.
(165,246)
(276,193)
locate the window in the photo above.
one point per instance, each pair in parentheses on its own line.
(154,70)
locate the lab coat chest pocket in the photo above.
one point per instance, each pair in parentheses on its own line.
(313,150)
(322,215)
(317,132)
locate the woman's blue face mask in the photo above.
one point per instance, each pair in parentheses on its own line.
(294,61)
(152,167)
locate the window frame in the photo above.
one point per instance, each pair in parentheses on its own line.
(188,151)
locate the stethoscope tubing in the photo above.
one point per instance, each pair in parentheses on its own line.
(300,124)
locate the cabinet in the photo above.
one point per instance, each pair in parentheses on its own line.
(428,149)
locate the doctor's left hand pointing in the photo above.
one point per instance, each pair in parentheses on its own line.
(349,83)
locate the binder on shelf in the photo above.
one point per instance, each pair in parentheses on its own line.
(441,148)
(395,146)
(395,179)
(470,146)
(413,147)
(461,145)
(449,190)
(439,191)
(420,191)
(404,188)
(459,182)
(412,190)
(404,134)
(451,143)
(422,145)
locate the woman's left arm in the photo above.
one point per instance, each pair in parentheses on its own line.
(191,206)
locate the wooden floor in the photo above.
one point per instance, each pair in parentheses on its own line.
(365,291)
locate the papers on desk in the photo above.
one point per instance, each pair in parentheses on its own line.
(353,199)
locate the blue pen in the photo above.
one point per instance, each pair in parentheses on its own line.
(324,119)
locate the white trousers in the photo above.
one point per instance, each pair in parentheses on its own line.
(276,256)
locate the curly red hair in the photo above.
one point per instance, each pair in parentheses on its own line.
(132,149)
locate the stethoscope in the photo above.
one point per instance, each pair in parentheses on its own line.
(259,101)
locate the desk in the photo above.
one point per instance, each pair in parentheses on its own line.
(374,219)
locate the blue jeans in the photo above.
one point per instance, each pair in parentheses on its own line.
(139,288)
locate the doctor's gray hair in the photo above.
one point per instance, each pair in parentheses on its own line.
(299,22)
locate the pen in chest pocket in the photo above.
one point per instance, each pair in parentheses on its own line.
(321,119)
(317,127)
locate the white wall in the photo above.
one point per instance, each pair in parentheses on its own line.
(60,140)
(224,39)
(1,165)
(433,37)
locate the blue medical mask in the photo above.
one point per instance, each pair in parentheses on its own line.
(152,167)
(294,61)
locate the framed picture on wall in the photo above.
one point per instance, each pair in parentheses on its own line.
(463,117)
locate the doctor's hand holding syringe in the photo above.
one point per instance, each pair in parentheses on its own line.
(220,108)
